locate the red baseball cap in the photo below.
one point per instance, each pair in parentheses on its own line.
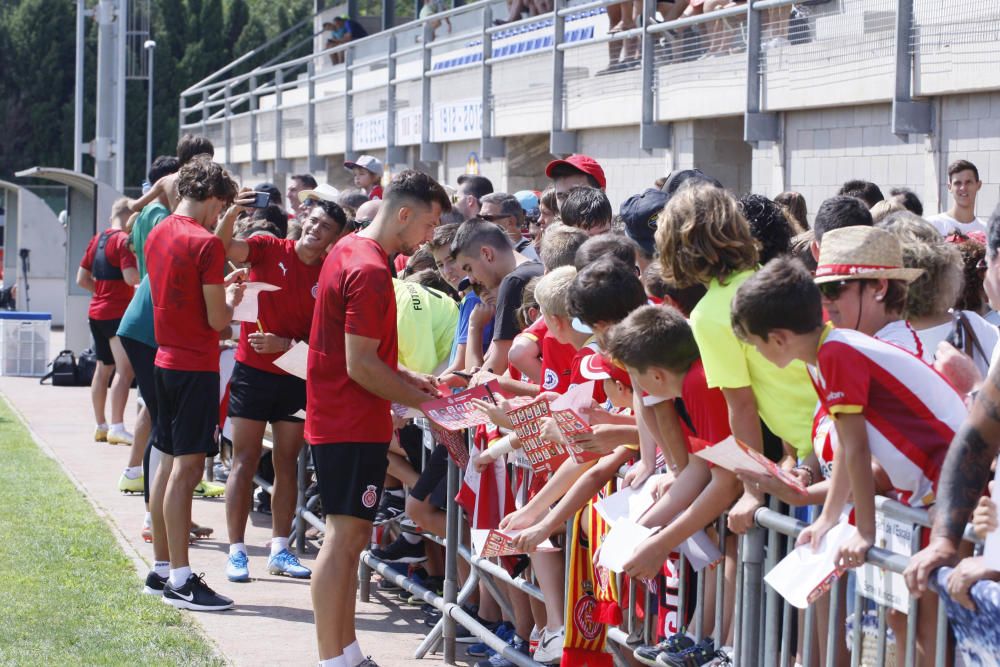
(599,367)
(584,163)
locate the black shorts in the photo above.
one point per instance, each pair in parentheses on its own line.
(433,480)
(265,397)
(188,419)
(411,440)
(351,477)
(103,331)
(143,358)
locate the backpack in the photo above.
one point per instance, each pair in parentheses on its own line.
(67,371)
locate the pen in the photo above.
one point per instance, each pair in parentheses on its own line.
(260,327)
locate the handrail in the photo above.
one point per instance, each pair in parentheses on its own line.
(248,54)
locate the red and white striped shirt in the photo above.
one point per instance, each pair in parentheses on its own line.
(911,411)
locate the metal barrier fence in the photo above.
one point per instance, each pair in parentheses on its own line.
(406,88)
(767,631)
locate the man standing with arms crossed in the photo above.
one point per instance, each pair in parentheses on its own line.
(353,379)
(191,306)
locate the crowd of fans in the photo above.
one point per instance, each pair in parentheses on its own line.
(855,349)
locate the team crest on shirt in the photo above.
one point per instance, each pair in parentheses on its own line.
(315,290)
(602,577)
(550,380)
(583,617)
(370,496)
(281,265)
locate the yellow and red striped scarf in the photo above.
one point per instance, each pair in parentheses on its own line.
(591,598)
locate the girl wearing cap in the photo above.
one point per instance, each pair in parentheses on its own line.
(367,172)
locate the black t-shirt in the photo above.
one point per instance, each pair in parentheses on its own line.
(509,299)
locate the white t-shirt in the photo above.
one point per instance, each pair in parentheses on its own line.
(986,333)
(946,224)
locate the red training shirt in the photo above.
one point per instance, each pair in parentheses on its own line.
(287,312)
(355,297)
(182,256)
(706,407)
(376,192)
(111,297)
(576,377)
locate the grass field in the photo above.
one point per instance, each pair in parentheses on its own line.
(68,594)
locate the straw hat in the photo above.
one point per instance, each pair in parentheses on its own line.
(322,192)
(862,253)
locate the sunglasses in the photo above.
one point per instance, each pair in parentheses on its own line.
(494,218)
(832,291)
(361,223)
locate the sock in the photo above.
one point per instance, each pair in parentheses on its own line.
(411,538)
(179,576)
(133,472)
(118,427)
(339,661)
(396,492)
(161,568)
(278,544)
(102,426)
(147,521)
(238,546)
(353,654)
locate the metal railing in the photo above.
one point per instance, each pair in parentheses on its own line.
(564,71)
(764,626)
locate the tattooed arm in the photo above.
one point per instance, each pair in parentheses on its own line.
(964,476)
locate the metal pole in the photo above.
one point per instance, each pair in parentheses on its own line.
(753,578)
(300,501)
(121,34)
(81,11)
(451,562)
(105,113)
(150,47)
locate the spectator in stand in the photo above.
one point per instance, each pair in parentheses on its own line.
(296,184)
(484,254)
(108,271)
(836,213)
(795,205)
(768,225)
(191,306)
(868,386)
(866,191)
(908,198)
(342,30)
(429,9)
(588,209)
(505,210)
(471,189)
(703,238)
(367,172)
(931,299)
(639,213)
(576,170)
(548,208)
(964,185)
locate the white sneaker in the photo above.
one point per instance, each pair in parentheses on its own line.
(119,436)
(550,647)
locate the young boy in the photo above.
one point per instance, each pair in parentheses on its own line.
(367,172)
(190,307)
(886,404)
(165,189)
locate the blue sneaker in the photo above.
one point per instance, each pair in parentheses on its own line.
(497,660)
(504,631)
(238,567)
(285,562)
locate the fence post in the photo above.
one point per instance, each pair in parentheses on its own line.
(300,501)
(348,102)
(489,146)
(753,581)
(651,134)
(757,124)
(429,152)
(908,116)
(560,141)
(451,561)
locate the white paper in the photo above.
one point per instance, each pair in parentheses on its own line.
(576,399)
(700,551)
(729,455)
(628,503)
(991,551)
(246,310)
(620,544)
(804,570)
(294,361)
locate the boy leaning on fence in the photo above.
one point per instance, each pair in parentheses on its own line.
(886,404)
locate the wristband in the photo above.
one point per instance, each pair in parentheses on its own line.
(808,471)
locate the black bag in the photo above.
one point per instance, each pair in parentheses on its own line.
(63,373)
(68,371)
(86,365)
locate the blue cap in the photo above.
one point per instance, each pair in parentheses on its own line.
(639,213)
(529,202)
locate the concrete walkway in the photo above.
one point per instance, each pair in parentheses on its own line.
(272,623)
